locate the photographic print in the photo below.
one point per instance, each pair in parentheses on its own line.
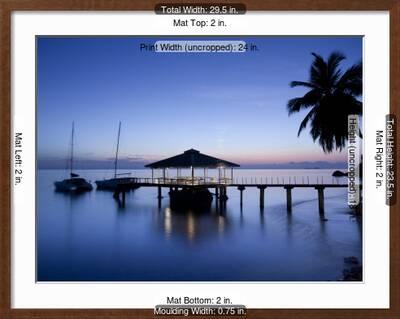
(199,158)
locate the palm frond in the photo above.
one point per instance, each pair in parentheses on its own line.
(309,99)
(301,83)
(318,71)
(333,71)
(351,80)
(305,121)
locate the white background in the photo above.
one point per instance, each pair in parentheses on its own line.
(373,292)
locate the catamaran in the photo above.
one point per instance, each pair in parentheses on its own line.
(74,183)
(113,183)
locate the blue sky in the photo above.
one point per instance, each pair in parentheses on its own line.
(230,105)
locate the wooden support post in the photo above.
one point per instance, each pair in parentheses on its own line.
(223,200)
(116,193)
(289,198)
(321,201)
(159,196)
(224,195)
(241,189)
(262,191)
(221,195)
(119,189)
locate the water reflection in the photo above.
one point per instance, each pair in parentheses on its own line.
(90,237)
(262,221)
(221,224)
(193,224)
(241,219)
(167,221)
(289,228)
(72,196)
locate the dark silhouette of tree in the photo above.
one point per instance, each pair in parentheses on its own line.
(332,96)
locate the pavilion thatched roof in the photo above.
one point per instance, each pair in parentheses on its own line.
(191,158)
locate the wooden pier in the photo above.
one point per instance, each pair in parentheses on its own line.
(220,186)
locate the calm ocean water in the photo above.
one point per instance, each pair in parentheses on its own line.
(89,237)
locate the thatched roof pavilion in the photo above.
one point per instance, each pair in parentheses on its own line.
(192,159)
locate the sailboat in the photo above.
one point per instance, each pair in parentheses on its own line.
(74,183)
(113,183)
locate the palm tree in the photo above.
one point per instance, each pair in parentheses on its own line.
(332,96)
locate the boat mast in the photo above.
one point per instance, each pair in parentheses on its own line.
(72,148)
(116,153)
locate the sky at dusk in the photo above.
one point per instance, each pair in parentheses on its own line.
(228,105)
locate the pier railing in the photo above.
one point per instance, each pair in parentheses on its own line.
(269,181)
(183,181)
(289,180)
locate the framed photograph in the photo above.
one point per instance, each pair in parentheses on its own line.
(209,160)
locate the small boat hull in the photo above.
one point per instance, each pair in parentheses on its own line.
(73,185)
